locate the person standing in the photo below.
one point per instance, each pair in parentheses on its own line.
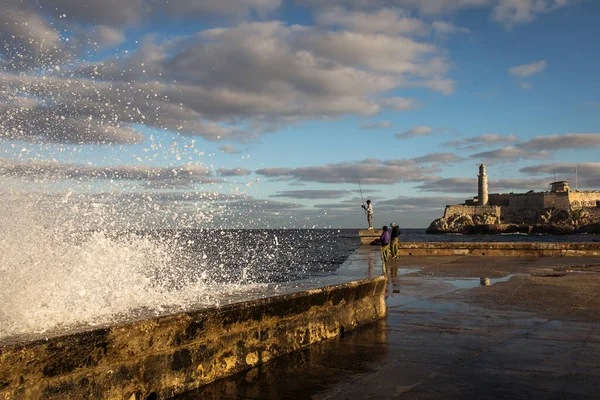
(369,209)
(395,237)
(385,244)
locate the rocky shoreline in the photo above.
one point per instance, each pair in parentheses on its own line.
(551,221)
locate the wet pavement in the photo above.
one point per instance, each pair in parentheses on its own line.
(533,332)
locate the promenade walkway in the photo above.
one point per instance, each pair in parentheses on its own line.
(533,333)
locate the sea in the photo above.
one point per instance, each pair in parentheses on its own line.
(281,255)
(53,281)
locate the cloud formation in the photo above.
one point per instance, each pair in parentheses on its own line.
(561,142)
(312,194)
(526,70)
(587,169)
(487,139)
(368,172)
(376,125)
(229,148)
(510,154)
(233,172)
(191,84)
(415,131)
(40,171)
(469,185)
(440,158)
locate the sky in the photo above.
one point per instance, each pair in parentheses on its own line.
(290,114)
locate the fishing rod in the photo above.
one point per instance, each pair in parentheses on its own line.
(361,193)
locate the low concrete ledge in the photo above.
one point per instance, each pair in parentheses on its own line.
(162,357)
(509,249)
(367,236)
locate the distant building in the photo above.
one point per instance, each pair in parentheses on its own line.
(560,186)
(522,207)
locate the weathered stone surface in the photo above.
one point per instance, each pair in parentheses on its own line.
(160,357)
(514,249)
(550,221)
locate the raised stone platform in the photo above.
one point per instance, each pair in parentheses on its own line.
(367,236)
(509,249)
(161,357)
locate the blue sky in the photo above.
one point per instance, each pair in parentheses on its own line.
(269,113)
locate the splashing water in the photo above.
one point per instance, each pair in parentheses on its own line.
(53,275)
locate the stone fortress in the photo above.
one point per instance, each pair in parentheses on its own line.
(560,210)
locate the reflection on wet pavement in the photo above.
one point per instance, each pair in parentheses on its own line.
(439,341)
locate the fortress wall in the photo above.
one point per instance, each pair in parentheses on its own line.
(498,199)
(583,199)
(471,210)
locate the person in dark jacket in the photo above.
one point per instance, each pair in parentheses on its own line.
(395,240)
(385,244)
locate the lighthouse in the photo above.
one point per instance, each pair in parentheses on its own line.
(482,186)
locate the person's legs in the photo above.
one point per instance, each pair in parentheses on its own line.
(394,247)
(385,252)
(370,220)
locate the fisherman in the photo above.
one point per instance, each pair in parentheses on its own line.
(369,209)
(385,244)
(395,240)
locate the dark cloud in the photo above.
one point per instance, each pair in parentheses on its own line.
(420,202)
(561,142)
(586,177)
(233,172)
(588,169)
(469,185)
(487,139)
(312,194)
(367,173)
(55,171)
(510,154)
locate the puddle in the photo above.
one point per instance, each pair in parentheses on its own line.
(404,271)
(470,283)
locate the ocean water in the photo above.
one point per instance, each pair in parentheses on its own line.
(53,280)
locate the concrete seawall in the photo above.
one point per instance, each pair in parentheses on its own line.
(161,357)
(508,249)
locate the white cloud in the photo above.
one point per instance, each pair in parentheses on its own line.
(526,70)
(383,20)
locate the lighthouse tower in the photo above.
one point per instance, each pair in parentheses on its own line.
(482,186)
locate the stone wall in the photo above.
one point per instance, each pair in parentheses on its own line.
(162,357)
(502,249)
(583,199)
(471,210)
